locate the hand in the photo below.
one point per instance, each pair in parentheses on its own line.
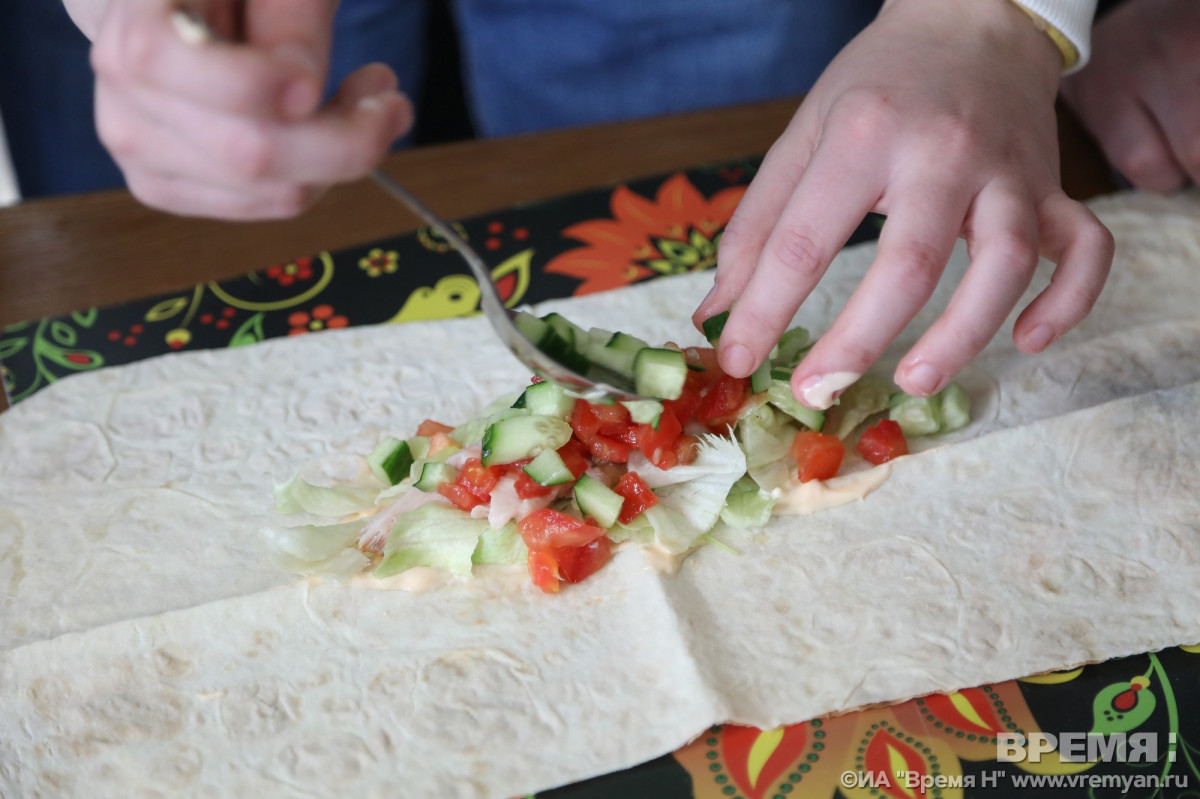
(233,130)
(1140,94)
(940,115)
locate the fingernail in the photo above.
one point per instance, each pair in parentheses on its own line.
(737,361)
(712,292)
(1041,337)
(819,392)
(925,378)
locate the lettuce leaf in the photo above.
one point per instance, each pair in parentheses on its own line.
(747,505)
(434,535)
(298,496)
(501,546)
(691,497)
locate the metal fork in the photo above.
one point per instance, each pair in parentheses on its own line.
(600,384)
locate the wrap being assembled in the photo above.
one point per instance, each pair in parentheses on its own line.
(149,643)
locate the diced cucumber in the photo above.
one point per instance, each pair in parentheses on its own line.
(659,373)
(555,336)
(615,352)
(956,407)
(713,326)
(944,412)
(548,399)
(761,379)
(644,411)
(598,500)
(781,373)
(520,437)
(530,326)
(519,402)
(391,460)
(471,432)
(433,474)
(549,469)
(917,416)
(623,342)
(780,395)
(570,332)
(791,347)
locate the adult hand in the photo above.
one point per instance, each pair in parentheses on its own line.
(1140,94)
(233,129)
(940,115)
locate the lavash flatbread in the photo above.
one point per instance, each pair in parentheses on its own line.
(148,645)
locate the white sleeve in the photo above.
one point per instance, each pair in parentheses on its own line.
(1072,18)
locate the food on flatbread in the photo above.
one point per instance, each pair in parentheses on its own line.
(147,646)
(553,481)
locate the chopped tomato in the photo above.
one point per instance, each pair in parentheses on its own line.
(543,568)
(882,442)
(818,455)
(721,404)
(537,379)
(574,455)
(459,496)
(576,564)
(658,445)
(584,421)
(430,427)
(637,494)
(629,435)
(479,479)
(551,529)
(684,407)
(528,488)
(686,449)
(608,449)
(613,418)
(703,366)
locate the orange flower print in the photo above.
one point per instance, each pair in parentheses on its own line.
(322,316)
(676,232)
(379,261)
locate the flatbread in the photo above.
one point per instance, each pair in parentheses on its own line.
(148,644)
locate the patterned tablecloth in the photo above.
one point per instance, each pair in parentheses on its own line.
(1138,717)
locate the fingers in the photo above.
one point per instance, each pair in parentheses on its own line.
(143,43)
(836,191)
(760,207)
(914,247)
(1073,238)
(1138,148)
(1004,255)
(189,197)
(248,168)
(1177,111)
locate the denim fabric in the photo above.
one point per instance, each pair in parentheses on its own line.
(529,64)
(533,64)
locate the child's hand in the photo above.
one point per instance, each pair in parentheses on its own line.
(234,130)
(1140,95)
(940,115)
